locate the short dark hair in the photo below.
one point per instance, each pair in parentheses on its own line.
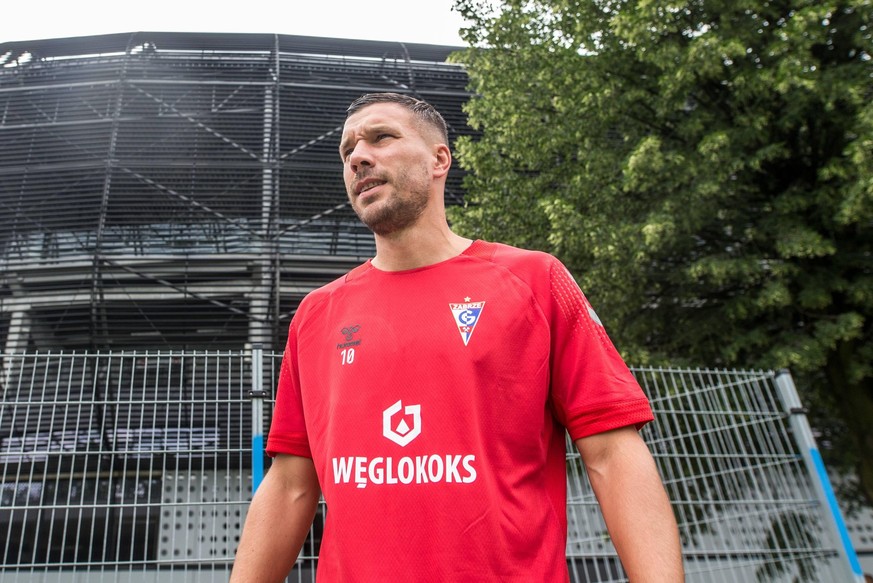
(423,111)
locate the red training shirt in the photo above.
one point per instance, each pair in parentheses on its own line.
(433,403)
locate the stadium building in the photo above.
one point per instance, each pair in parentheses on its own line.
(181,191)
(162,195)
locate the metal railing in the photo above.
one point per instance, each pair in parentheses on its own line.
(139,466)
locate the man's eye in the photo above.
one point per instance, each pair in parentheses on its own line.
(381,137)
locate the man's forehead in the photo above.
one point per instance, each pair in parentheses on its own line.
(377,114)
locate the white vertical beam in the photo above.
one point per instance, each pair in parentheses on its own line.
(818,474)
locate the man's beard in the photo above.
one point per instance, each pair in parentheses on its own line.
(397,212)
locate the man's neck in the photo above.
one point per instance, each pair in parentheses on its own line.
(417,247)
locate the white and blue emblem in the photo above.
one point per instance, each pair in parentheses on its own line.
(466,317)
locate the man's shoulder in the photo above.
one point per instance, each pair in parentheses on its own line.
(320,294)
(519,261)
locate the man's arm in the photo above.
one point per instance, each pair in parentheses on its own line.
(278,521)
(634,504)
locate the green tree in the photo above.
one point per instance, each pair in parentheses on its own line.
(705,168)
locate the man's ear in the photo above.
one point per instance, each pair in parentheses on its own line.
(442,160)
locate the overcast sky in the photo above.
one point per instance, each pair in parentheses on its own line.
(412,21)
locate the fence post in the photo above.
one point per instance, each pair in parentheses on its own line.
(815,466)
(257,395)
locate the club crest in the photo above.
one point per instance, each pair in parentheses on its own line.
(466,317)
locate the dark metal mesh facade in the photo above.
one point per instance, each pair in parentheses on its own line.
(178,191)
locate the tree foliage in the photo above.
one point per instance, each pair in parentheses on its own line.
(704,167)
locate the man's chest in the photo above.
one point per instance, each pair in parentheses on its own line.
(433,368)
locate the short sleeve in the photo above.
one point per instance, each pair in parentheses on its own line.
(592,389)
(288,429)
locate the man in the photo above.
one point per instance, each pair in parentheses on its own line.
(428,391)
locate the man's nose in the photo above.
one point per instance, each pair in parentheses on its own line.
(360,157)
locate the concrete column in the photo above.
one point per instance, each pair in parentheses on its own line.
(16,344)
